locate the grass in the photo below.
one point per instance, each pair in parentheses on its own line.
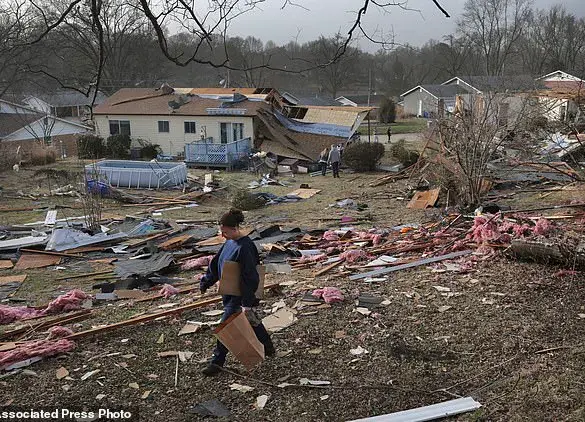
(412,125)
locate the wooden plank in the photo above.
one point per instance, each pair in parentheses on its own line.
(6,264)
(13,279)
(174,242)
(60,320)
(29,260)
(328,268)
(305,193)
(68,255)
(424,199)
(144,318)
(411,265)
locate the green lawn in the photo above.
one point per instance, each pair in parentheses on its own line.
(412,125)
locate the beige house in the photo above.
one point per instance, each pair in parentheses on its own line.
(174,120)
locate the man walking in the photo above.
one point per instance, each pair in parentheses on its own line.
(323,161)
(334,159)
(389,133)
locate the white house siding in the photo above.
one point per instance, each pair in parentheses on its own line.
(49,127)
(420,101)
(173,142)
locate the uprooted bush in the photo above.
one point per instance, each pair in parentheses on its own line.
(244,200)
(90,147)
(363,156)
(119,146)
(405,156)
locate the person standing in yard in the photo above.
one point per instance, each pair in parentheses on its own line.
(389,132)
(334,159)
(323,161)
(238,248)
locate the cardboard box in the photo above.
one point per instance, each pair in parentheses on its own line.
(230,280)
(238,336)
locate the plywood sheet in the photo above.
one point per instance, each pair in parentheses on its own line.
(13,279)
(305,193)
(5,264)
(424,199)
(32,260)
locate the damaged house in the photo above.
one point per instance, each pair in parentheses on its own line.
(216,126)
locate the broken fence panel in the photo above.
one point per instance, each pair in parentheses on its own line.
(428,413)
(411,265)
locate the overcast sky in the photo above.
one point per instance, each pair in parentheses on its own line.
(326,17)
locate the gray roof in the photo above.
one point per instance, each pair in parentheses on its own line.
(503,83)
(445,91)
(309,100)
(362,99)
(11,122)
(70,98)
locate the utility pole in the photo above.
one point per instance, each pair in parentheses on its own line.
(369,92)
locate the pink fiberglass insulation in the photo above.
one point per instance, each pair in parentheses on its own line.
(40,348)
(312,258)
(484,230)
(329,294)
(522,230)
(59,332)
(197,263)
(330,235)
(566,273)
(168,291)
(70,301)
(353,255)
(10,314)
(543,227)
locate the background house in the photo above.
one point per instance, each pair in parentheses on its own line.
(69,105)
(29,129)
(173,118)
(564,97)
(431,100)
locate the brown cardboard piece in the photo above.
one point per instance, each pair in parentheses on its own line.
(237,335)
(230,280)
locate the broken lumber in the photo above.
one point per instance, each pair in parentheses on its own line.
(144,318)
(411,265)
(67,255)
(60,320)
(328,268)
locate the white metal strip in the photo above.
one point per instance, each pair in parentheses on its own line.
(428,413)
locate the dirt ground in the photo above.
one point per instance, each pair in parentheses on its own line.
(511,336)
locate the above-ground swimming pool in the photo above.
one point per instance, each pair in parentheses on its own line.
(138,174)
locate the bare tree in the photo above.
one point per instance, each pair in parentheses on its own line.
(495,26)
(206,22)
(482,128)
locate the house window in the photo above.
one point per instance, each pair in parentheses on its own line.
(190,127)
(120,127)
(231,132)
(163,126)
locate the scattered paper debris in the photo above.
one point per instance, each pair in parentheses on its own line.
(161,339)
(442,309)
(358,351)
(241,388)
(145,395)
(134,385)
(316,351)
(441,289)
(191,328)
(325,397)
(279,320)
(363,311)
(261,401)
(100,396)
(61,373)
(89,374)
